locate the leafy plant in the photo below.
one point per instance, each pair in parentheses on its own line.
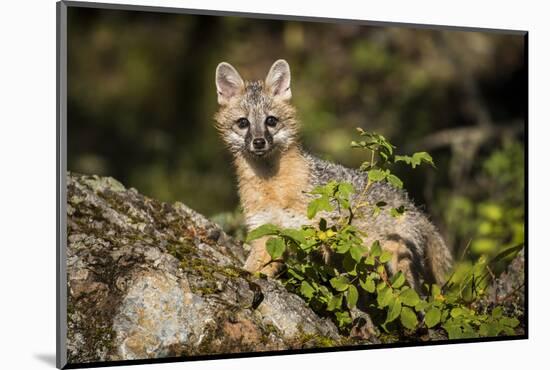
(357,274)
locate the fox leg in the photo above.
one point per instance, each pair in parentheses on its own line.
(259,259)
(402,260)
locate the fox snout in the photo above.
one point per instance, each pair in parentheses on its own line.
(258,142)
(259,146)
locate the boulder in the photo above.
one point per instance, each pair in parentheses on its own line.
(148,279)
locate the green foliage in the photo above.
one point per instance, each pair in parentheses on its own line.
(416,159)
(363,277)
(489,220)
(339,192)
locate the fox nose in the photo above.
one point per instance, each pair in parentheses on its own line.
(259,143)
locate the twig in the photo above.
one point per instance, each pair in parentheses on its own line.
(507,296)
(491,272)
(466,249)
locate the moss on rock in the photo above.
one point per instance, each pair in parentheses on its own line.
(149,279)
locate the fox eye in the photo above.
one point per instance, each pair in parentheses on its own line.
(243,123)
(271,121)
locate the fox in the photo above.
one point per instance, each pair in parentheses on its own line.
(275,175)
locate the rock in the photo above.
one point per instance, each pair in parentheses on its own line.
(508,290)
(148,279)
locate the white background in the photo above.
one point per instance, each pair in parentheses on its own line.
(27,182)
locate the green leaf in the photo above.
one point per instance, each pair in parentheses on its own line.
(444,315)
(507,253)
(267,229)
(398,280)
(318,205)
(340,283)
(375,249)
(424,157)
(416,159)
(483,330)
(369,260)
(408,318)
(469,332)
(409,297)
(403,158)
(368,285)
(457,312)
(326,189)
(396,212)
(357,252)
(497,312)
(377,175)
(275,247)
(352,296)
(345,189)
(385,257)
(295,274)
(306,289)
(454,331)
(436,290)
(343,318)
(342,248)
(324,291)
(421,306)
(335,302)
(381,286)
(509,321)
(384,298)
(378,208)
(494,329)
(395,181)
(394,311)
(295,234)
(508,331)
(433,317)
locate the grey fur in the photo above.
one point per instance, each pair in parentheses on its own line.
(413,228)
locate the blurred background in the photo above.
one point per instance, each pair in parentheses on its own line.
(141,98)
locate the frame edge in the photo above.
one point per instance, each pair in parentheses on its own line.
(61,168)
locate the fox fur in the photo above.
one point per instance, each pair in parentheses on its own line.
(259,126)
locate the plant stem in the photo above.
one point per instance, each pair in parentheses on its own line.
(371,158)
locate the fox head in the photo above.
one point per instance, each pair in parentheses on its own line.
(255,118)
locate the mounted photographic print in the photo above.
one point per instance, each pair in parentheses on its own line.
(235,184)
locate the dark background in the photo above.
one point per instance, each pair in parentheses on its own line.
(141,98)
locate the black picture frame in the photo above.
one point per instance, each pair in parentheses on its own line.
(61,195)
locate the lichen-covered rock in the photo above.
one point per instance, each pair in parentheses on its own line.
(148,279)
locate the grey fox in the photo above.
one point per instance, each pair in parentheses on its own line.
(259,126)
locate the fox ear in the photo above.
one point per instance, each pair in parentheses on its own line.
(228,82)
(278,80)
